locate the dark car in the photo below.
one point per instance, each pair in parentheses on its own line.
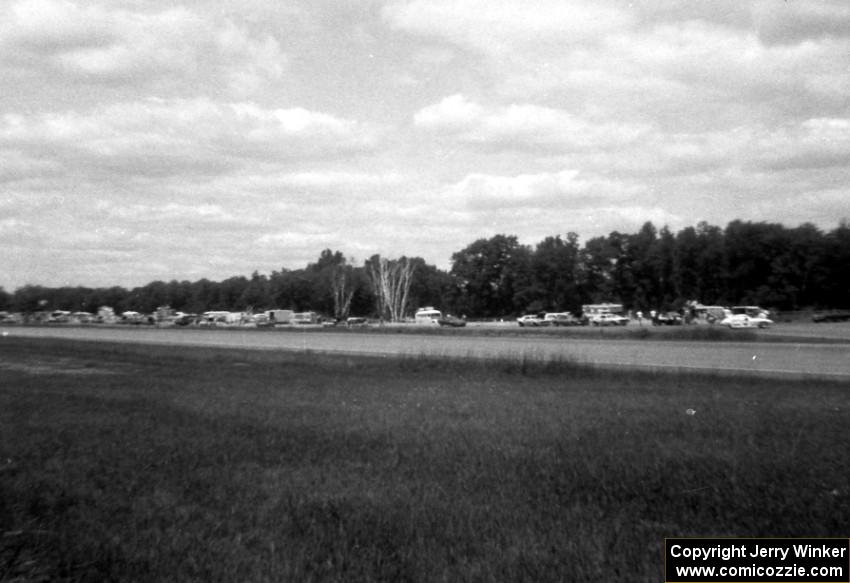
(821,317)
(451,321)
(668,319)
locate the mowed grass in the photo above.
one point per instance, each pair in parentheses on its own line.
(143,463)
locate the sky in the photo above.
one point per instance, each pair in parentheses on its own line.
(145,140)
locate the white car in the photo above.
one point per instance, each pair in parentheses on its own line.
(745,321)
(609,320)
(529,320)
(560,319)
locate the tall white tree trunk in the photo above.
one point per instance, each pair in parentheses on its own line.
(391,280)
(342,290)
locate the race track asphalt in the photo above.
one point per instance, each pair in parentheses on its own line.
(802,360)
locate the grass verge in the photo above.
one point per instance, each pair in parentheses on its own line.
(134,463)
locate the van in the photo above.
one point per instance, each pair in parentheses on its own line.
(427,316)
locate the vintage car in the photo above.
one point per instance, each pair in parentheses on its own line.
(530,320)
(608,320)
(834,316)
(745,321)
(560,319)
(451,321)
(667,319)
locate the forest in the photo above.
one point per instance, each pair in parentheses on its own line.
(767,264)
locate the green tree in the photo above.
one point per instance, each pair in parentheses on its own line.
(599,258)
(492,274)
(256,294)
(555,273)
(5,299)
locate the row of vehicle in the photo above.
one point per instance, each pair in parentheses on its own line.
(549,319)
(430,316)
(567,319)
(611,315)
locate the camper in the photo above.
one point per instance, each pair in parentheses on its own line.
(106,315)
(279,317)
(427,316)
(305,318)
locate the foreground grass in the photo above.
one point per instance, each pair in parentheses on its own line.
(140,463)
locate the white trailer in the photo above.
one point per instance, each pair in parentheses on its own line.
(427,316)
(280,317)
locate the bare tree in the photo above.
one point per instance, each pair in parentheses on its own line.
(342,290)
(391,280)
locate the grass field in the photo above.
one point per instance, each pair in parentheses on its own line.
(142,463)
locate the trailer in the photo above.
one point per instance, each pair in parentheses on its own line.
(279,317)
(428,316)
(305,318)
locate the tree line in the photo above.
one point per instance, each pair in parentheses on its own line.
(759,263)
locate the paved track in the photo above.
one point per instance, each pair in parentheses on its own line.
(761,358)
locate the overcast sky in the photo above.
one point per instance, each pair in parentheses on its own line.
(146,140)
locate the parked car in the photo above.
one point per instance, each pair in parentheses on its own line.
(821,317)
(530,320)
(751,311)
(186,319)
(668,319)
(745,321)
(560,319)
(451,321)
(608,320)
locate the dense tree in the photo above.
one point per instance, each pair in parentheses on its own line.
(256,294)
(745,262)
(492,272)
(640,274)
(431,286)
(597,280)
(555,272)
(834,276)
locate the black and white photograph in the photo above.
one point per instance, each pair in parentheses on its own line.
(424,290)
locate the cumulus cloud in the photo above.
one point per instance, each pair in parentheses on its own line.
(546,191)
(796,22)
(157,137)
(500,27)
(161,140)
(814,144)
(94,42)
(454,113)
(523,125)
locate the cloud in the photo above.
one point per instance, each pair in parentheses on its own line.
(335,180)
(615,61)
(523,125)
(151,140)
(93,42)
(453,114)
(162,137)
(533,206)
(797,22)
(501,27)
(545,192)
